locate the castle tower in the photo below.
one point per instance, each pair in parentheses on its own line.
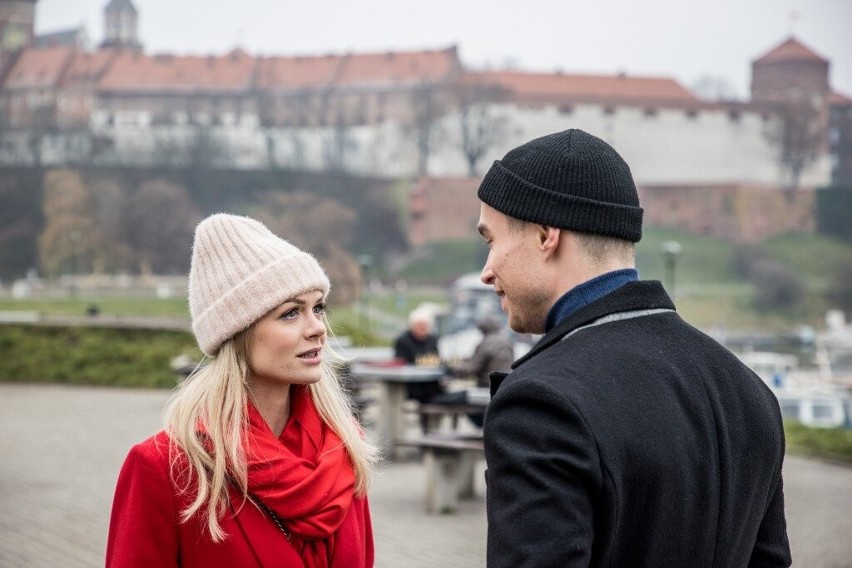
(790,67)
(120,25)
(794,80)
(17,24)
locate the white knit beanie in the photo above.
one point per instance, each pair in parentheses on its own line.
(240,271)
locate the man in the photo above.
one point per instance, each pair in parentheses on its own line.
(625,437)
(494,353)
(417,345)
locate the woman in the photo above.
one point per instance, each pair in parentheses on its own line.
(260,462)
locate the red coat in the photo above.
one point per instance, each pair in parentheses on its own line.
(145,528)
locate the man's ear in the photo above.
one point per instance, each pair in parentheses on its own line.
(548,237)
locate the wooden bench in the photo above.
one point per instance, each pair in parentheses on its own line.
(436,413)
(450,461)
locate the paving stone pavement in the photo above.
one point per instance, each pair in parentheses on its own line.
(61,449)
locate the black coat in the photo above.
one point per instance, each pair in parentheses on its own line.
(640,443)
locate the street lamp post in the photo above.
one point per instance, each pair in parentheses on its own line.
(671,251)
(365,261)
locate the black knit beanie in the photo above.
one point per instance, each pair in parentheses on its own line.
(570,180)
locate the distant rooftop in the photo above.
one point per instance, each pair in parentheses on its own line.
(790,50)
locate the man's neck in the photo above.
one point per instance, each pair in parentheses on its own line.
(586,293)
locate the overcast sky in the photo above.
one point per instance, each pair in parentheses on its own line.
(684,39)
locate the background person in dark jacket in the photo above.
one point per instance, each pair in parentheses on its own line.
(624,437)
(494,353)
(417,345)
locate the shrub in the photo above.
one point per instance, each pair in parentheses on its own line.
(92,356)
(776,287)
(839,291)
(828,443)
(744,258)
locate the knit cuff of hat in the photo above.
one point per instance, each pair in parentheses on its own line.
(255,296)
(516,197)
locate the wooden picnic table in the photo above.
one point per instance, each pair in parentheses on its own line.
(392,380)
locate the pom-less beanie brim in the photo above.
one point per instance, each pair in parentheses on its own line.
(570,180)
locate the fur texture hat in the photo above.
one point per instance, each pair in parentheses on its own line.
(240,271)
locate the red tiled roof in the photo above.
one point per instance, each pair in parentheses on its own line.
(137,72)
(546,87)
(357,69)
(791,50)
(399,67)
(839,99)
(87,67)
(38,68)
(296,72)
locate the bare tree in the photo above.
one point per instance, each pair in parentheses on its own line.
(70,239)
(160,222)
(714,88)
(322,225)
(480,128)
(169,149)
(339,142)
(42,124)
(798,134)
(196,148)
(20,220)
(304,109)
(205,151)
(427,106)
(111,206)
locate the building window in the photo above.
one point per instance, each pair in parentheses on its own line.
(566,109)
(734,115)
(609,110)
(691,113)
(650,112)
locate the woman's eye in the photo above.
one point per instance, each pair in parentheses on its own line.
(319,309)
(290,314)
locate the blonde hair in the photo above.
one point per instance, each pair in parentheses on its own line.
(215,398)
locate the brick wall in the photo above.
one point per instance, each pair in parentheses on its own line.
(448,209)
(443,209)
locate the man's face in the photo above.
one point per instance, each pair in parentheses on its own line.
(511,268)
(420,329)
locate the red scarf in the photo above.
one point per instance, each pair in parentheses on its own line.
(305,476)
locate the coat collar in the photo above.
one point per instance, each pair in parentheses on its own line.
(631,296)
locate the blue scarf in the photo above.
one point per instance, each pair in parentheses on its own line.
(586,293)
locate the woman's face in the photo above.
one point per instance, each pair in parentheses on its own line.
(285,345)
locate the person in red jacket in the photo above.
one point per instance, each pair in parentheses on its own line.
(260,462)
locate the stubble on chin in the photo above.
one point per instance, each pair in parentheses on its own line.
(530,317)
